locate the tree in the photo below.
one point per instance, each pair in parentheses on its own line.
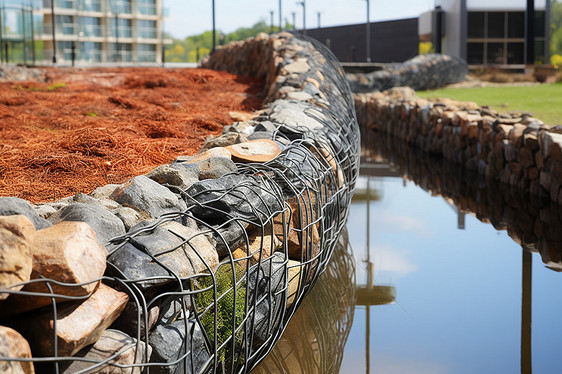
(555,27)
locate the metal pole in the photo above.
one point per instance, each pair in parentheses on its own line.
(294,20)
(117,54)
(271,18)
(24,44)
(368,32)
(2,32)
(53,30)
(530,34)
(280,17)
(304,17)
(319,15)
(32,34)
(214,30)
(526,311)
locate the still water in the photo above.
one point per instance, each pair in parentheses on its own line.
(452,275)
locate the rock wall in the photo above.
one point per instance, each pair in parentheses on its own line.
(198,265)
(513,148)
(423,72)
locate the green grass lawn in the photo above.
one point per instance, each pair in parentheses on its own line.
(543,101)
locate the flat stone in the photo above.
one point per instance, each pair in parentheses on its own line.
(105,224)
(300,66)
(44,211)
(170,342)
(262,150)
(179,248)
(129,216)
(260,135)
(299,116)
(294,275)
(215,167)
(67,252)
(298,96)
(10,206)
(223,140)
(227,236)
(79,324)
(104,191)
(112,342)
(16,233)
(144,194)
(218,200)
(136,265)
(167,174)
(259,245)
(13,345)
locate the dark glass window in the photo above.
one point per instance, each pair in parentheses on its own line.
(475,52)
(516,25)
(476,24)
(515,53)
(539,51)
(496,24)
(539,24)
(495,53)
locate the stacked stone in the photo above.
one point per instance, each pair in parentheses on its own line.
(423,72)
(134,273)
(531,221)
(514,148)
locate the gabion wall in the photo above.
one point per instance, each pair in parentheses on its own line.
(208,278)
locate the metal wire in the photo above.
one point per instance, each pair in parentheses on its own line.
(227,318)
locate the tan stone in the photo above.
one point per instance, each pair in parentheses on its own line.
(294,275)
(67,252)
(78,324)
(241,116)
(13,345)
(261,150)
(16,259)
(110,343)
(516,134)
(213,152)
(257,243)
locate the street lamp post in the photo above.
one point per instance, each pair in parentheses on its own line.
(280,17)
(368,32)
(271,20)
(214,28)
(53,31)
(319,16)
(294,14)
(303,3)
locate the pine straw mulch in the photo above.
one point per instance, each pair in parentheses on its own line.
(84,128)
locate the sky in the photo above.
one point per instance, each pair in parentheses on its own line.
(191,17)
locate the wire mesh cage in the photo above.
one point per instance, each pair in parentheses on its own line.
(209,287)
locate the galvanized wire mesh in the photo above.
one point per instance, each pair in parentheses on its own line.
(284,216)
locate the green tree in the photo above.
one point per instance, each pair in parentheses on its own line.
(555,27)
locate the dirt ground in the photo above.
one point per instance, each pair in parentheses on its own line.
(80,129)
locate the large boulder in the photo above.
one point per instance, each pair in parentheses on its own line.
(12,206)
(13,345)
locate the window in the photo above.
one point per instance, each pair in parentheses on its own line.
(90,52)
(496,25)
(90,26)
(65,25)
(539,24)
(146,29)
(475,52)
(90,5)
(122,52)
(147,7)
(515,25)
(495,53)
(121,6)
(120,28)
(65,4)
(146,52)
(476,22)
(516,53)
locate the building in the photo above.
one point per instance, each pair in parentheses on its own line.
(88,31)
(391,41)
(489,32)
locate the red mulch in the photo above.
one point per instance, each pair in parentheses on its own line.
(85,128)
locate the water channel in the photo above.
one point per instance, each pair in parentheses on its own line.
(452,275)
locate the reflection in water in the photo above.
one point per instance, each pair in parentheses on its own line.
(529,220)
(314,340)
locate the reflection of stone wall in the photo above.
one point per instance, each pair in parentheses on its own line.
(515,148)
(423,72)
(531,221)
(314,340)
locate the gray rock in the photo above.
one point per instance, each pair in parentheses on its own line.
(215,167)
(172,309)
(44,211)
(260,135)
(10,206)
(266,126)
(105,224)
(223,140)
(104,191)
(112,342)
(147,195)
(181,249)
(183,163)
(301,116)
(134,264)
(129,216)
(169,344)
(227,237)
(216,201)
(167,174)
(86,199)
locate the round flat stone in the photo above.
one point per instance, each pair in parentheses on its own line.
(261,150)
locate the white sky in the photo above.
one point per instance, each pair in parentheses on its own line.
(190,17)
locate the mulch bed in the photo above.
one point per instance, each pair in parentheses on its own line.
(84,128)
